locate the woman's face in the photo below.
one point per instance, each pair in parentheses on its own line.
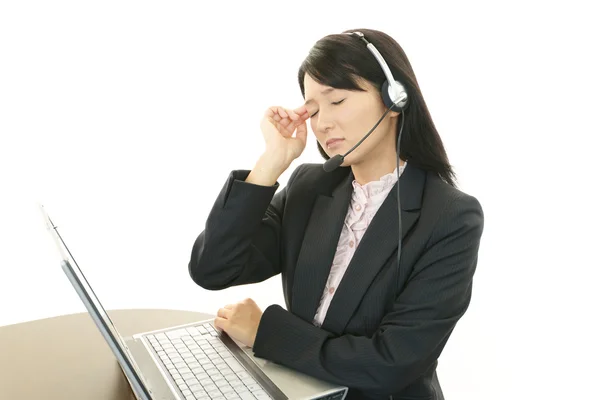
(341,118)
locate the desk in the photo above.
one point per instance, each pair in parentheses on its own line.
(66,357)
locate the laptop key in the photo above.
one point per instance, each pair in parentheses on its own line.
(192,330)
(234,364)
(176,334)
(226,388)
(253,387)
(241,390)
(211,387)
(220,383)
(249,381)
(195,388)
(243,374)
(190,383)
(187,393)
(236,384)
(201,329)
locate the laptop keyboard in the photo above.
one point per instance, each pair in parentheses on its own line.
(202,366)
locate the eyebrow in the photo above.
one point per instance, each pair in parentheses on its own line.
(326,91)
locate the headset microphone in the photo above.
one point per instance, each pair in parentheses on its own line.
(395,98)
(333,162)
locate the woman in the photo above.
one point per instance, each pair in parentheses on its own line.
(354,316)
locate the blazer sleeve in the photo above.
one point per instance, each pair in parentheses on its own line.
(410,337)
(241,239)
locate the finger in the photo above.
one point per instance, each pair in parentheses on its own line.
(304,111)
(224,313)
(229,306)
(304,115)
(301,110)
(281,111)
(280,128)
(287,122)
(283,130)
(221,323)
(273,113)
(297,124)
(292,114)
(302,132)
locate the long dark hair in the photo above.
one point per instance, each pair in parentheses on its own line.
(337,60)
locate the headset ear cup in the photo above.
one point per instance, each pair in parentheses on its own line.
(385,94)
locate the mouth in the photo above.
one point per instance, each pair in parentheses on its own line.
(333,142)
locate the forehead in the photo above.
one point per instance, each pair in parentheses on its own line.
(313,89)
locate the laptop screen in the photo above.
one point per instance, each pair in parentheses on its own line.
(96,311)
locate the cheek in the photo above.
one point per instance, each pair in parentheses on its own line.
(353,123)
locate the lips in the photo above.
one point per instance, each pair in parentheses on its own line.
(333,141)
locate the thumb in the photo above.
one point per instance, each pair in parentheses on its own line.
(301,132)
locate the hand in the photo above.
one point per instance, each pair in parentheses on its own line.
(240,321)
(278,126)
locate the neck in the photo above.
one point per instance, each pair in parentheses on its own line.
(378,164)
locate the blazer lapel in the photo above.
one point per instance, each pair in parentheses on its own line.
(318,248)
(374,250)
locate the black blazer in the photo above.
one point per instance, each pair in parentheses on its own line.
(379,338)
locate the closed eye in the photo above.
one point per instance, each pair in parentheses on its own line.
(334,103)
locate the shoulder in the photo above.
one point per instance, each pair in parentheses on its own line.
(452,209)
(452,197)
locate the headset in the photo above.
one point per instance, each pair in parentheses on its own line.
(395,98)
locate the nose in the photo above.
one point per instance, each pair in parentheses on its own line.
(323,124)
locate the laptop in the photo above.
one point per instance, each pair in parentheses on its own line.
(190,361)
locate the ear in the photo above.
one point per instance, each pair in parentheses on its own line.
(393,114)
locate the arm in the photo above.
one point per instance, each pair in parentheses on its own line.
(240,243)
(410,337)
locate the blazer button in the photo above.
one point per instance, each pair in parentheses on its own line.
(351,244)
(331,289)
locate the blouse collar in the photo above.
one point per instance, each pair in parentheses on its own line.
(383,184)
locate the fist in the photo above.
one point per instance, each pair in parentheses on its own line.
(240,321)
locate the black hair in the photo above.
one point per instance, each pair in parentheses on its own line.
(337,60)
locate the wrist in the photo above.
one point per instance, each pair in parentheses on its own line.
(267,164)
(265,172)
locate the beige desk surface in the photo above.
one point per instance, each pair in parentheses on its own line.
(66,357)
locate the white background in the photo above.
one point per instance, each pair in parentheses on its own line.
(125,119)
